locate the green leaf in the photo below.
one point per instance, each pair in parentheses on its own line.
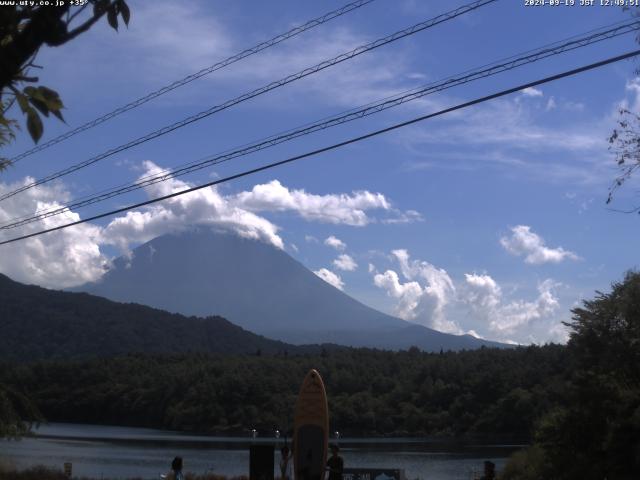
(112,17)
(40,105)
(58,115)
(51,98)
(30,91)
(34,125)
(99,7)
(23,101)
(125,12)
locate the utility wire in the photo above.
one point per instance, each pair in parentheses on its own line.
(194,76)
(271,86)
(396,126)
(370,109)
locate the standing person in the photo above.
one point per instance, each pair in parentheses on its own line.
(335,464)
(176,470)
(285,468)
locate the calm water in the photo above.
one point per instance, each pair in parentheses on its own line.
(120,452)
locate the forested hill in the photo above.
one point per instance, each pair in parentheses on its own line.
(497,392)
(36,323)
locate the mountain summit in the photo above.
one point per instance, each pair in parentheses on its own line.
(260,288)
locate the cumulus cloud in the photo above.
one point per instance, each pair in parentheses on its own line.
(345,262)
(330,277)
(524,242)
(408,294)
(332,208)
(484,297)
(425,294)
(75,255)
(205,207)
(58,260)
(335,242)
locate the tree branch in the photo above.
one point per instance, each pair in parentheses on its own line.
(86,25)
(77,12)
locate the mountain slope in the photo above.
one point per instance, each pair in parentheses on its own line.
(260,288)
(36,323)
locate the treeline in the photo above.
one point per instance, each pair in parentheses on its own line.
(485,392)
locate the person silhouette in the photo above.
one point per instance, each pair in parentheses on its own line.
(489,471)
(335,464)
(285,469)
(176,470)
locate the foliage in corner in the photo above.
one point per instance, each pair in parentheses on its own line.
(24,29)
(17,413)
(624,143)
(596,433)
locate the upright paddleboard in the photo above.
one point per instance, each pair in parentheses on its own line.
(311,429)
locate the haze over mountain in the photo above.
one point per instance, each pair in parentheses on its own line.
(259,287)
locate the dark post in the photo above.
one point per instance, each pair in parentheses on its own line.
(261,462)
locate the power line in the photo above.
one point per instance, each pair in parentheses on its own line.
(471,75)
(194,76)
(271,86)
(338,145)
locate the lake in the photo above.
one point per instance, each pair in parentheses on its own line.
(120,452)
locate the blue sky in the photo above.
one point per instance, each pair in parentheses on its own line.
(488,221)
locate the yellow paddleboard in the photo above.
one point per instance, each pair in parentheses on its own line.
(311,429)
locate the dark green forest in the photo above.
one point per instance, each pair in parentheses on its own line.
(488,391)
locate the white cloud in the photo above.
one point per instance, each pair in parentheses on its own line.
(330,277)
(206,206)
(420,302)
(532,92)
(332,208)
(335,242)
(310,239)
(238,212)
(503,318)
(525,242)
(73,256)
(408,294)
(477,306)
(58,260)
(483,292)
(345,262)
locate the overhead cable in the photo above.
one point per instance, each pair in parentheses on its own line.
(194,76)
(335,145)
(370,109)
(254,93)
